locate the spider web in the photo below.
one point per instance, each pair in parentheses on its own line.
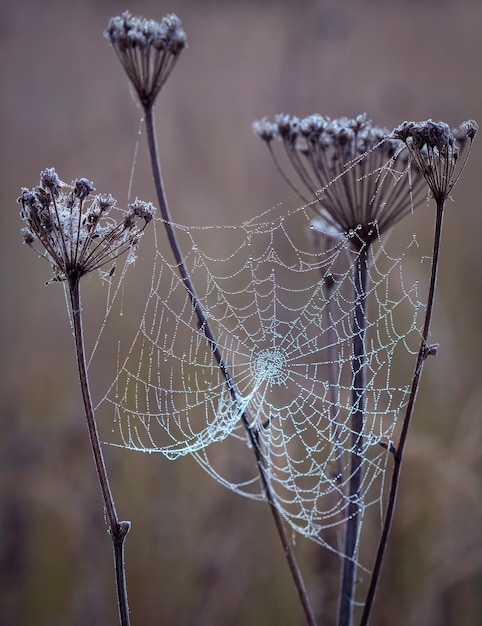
(279,295)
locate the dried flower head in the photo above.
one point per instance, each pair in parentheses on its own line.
(436,151)
(148,50)
(75,228)
(351,167)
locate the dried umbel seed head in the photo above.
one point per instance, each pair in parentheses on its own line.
(436,150)
(470,128)
(75,228)
(342,163)
(83,188)
(147,50)
(138,209)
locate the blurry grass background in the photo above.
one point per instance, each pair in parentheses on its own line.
(198,554)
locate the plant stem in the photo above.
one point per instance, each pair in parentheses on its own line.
(345,610)
(423,352)
(208,332)
(118,530)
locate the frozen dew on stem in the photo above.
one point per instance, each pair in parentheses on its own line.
(348,169)
(436,150)
(75,228)
(147,50)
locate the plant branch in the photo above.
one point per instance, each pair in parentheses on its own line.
(118,530)
(345,610)
(423,352)
(208,332)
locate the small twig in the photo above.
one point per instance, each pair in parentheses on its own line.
(203,323)
(118,530)
(424,351)
(388,445)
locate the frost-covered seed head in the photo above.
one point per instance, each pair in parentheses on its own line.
(27,236)
(83,188)
(139,209)
(436,149)
(144,210)
(288,127)
(148,50)
(471,128)
(50,181)
(78,236)
(342,162)
(265,130)
(313,125)
(105,202)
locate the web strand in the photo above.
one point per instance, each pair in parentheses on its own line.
(280,304)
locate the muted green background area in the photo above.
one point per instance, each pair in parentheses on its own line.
(198,554)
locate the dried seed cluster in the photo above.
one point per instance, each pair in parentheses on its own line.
(436,151)
(355,170)
(350,166)
(147,50)
(75,228)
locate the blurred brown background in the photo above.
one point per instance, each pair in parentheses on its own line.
(198,554)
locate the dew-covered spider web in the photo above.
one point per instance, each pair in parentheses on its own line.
(278,294)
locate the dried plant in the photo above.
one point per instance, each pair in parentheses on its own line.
(147,51)
(436,151)
(77,235)
(347,172)
(342,165)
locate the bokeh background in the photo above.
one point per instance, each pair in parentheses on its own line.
(197,554)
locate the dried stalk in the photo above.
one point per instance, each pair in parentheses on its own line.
(117,530)
(347,592)
(424,351)
(206,327)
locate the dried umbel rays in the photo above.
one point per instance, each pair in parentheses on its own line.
(76,228)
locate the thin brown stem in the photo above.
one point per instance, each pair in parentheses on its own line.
(209,334)
(118,530)
(345,610)
(423,352)
(281,529)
